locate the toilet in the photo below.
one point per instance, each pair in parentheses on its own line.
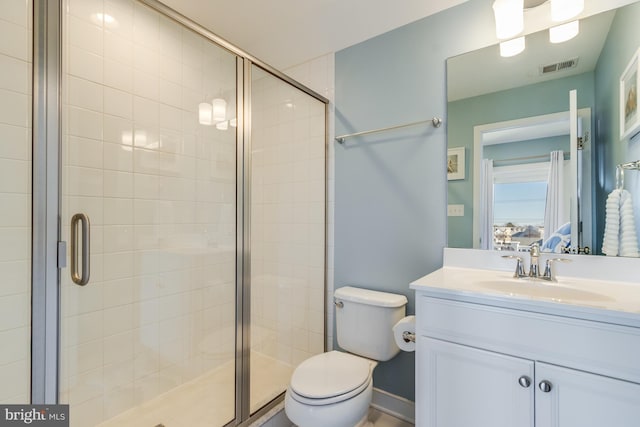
(335,388)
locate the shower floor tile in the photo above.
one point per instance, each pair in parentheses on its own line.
(208,400)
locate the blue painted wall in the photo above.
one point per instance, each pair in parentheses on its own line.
(390,211)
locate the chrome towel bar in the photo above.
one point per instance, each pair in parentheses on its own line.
(436,122)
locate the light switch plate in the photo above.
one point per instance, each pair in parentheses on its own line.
(455,210)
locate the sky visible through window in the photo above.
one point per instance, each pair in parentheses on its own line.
(521,203)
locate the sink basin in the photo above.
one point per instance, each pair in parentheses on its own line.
(536,288)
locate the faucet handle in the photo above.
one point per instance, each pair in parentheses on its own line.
(534,249)
(519,266)
(548,275)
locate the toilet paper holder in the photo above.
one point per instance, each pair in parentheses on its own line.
(408,336)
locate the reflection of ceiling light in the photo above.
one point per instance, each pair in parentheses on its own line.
(561,10)
(512,47)
(140,138)
(127,140)
(222,125)
(215,112)
(564,32)
(509,17)
(104,19)
(219,110)
(205,114)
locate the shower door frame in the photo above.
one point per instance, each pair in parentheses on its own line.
(48,244)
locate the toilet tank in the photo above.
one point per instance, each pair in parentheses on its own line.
(364,321)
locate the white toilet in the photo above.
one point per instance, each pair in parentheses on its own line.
(335,388)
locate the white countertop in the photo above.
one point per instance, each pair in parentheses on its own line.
(586,298)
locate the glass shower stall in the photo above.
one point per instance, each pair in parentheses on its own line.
(162,209)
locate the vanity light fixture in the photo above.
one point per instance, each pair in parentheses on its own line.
(233,122)
(222,125)
(564,32)
(509,16)
(512,47)
(562,10)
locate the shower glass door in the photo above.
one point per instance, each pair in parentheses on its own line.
(149,160)
(15,201)
(288,140)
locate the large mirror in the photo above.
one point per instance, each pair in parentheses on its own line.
(519,173)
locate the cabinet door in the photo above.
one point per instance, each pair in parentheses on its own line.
(581,399)
(461,386)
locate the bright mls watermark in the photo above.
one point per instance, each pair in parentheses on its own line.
(35,415)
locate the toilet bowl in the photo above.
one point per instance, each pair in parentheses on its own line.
(333,388)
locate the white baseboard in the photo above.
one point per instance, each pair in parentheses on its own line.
(396,406)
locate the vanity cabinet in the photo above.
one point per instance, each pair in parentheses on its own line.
(485,366)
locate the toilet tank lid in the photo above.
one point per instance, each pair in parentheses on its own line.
(369,297)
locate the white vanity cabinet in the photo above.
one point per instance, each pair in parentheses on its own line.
(481,365)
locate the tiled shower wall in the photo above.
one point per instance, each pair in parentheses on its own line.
(288,221)
(15,200)
(160,191)
(319,75)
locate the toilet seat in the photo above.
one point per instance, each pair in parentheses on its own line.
(330,378)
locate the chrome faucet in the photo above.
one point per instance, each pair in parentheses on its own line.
(548,271)
(534,267)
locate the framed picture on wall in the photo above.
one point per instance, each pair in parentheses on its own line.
(455,163)
(629,82)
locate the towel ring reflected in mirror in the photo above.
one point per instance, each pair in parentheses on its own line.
(620,172)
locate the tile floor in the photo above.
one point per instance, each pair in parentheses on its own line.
(376,417)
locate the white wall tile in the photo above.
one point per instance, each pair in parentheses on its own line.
(85,152)
(118,130)
(85,34)
(15,210)
(14,108)
(15,244)
(118,103)
(118,157)
(85,9)
(146,111)
(16,144)
(146,85)
(84,181)
(118,75)
(14,74)
(14,40)
(85,64)
(14,384)
(16,11)
(118,211)
(118,48)
(85,123)
(122,12)
(118,184)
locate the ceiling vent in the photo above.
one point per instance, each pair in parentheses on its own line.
(559,66)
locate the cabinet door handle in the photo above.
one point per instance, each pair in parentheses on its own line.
(524,381)
(545,386)
(83,220)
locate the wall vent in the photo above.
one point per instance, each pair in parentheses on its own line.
(559,66)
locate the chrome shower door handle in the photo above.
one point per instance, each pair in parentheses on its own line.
(78,278)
